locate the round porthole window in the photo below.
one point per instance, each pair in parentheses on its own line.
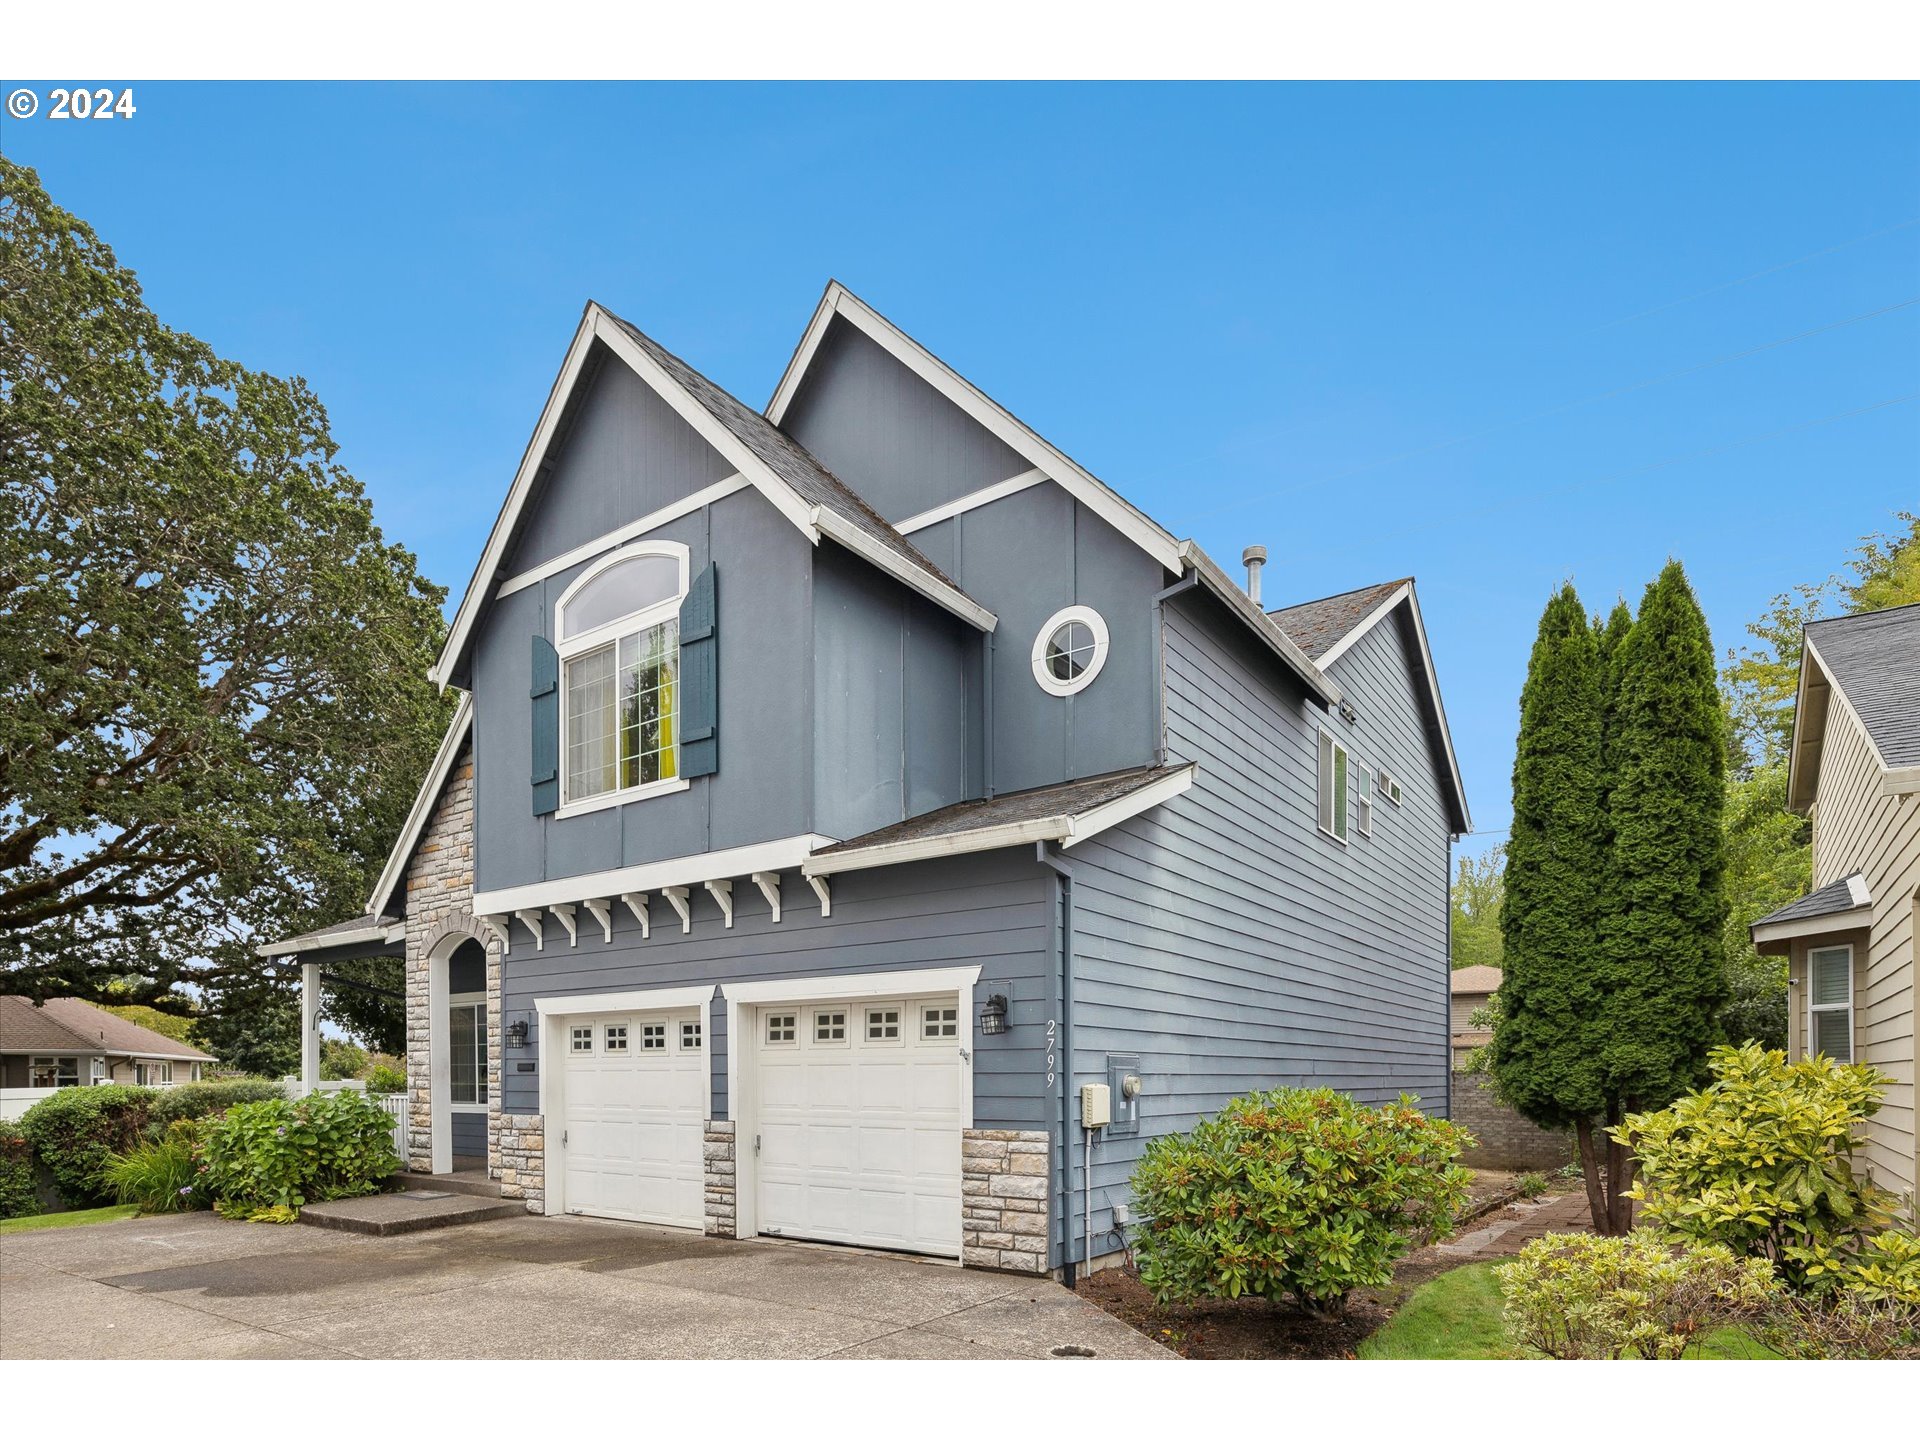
(1069,650)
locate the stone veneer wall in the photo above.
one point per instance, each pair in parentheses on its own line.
(522,1148)
(719,1160)
(439,884)
(1003,1198)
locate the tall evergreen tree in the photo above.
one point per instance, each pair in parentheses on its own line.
(1547,1046)
(1663,903)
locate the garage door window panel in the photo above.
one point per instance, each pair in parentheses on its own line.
(691,1035)
(830,1027)
(939,1022)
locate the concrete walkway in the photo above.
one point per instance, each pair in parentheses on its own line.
(196,1286)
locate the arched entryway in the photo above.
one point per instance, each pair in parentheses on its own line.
(458,1083)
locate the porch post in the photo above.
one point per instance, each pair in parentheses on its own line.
(309,1029)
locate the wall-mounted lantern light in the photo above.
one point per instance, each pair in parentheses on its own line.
(993,1016)
(517,1035)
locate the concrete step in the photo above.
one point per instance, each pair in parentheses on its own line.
(400,1212)
(461,1182)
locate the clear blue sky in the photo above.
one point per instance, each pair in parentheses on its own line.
(1468,333)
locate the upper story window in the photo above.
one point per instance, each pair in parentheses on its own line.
(1070,650)
(619,647)
(1333,787)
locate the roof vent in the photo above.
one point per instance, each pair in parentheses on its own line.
(1253,557)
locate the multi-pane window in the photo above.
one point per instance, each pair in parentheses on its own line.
(939,1022)
(653,1037)
(580,1039)
(48,1072)
(780,1029)
(1333,787)
(620,644)
(614,1039)
(883,1024)
(1830,1003)
(152,1072)
(829,1025)
(690,1035)
(467,1049)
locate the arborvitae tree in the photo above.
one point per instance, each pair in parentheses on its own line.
(1547,1046)
(1663,904)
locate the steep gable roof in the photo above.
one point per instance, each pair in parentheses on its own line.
(64,1023)
(774,463)
(1318,625)
(1873,660)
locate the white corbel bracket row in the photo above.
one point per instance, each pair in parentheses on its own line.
(767,882)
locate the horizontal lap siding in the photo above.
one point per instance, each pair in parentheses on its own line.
(1231,946)
(985,910)
(1856,828)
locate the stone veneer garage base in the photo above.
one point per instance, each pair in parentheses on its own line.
(1003,1198)
(523,1159)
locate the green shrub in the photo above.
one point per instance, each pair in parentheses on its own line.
(386,1080)
(1299,1193)
(294,1152)
(160,1175)
(207,1097)
(1590,1297)
(1870,1310)
(17,1191)
(76,1131)
(1761,1161)
(1532,1186)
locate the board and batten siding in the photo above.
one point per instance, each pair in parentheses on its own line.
(988,910)
(1231,946)
(1857,828)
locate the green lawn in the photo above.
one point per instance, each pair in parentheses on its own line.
(1456,1316)
(65,1218)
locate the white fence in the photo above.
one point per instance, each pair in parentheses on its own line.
(396,1106)
(16,1100)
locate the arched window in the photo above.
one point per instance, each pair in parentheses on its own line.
(619,645)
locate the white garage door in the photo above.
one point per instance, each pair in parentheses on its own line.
(858,1116)
(635,1107)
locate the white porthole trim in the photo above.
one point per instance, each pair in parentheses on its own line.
(1045,678)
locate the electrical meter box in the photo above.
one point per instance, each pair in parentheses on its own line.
(1096,1106)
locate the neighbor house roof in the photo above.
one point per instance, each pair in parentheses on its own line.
(772,462)
(1476,980)
(1836,906)
(1067,813)
(1873,661)
(66,1024)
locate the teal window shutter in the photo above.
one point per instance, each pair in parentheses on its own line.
(545,692)
(700,676)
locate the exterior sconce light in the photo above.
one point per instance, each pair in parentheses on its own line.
(517,1035)
(993,1016)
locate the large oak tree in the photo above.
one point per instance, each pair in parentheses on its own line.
(212,661)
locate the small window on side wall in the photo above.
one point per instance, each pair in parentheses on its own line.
(1830,1003)
(1333,787)
(1363,800)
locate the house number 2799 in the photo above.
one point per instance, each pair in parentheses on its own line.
(1051,1059)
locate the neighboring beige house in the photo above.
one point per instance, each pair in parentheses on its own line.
(1473,986)
(69,1042)
(1855,768)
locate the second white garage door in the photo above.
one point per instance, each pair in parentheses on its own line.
(635,1110)
(857,1111)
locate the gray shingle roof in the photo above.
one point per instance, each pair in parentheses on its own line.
(783,455)
(64,1023)
(1875,660)
(1074,797)
(1316,626)
(1827,900)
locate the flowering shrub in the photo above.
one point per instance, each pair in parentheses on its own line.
(1590,1297)
(1761,1161)
(17,1195)
(291,1153)
(1299,1193)
(76,1131)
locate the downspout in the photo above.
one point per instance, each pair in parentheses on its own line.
(1061,982)
(1447,999)
(1179,587)
(986,718)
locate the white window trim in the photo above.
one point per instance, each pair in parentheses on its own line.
(1339,748)
(54,1060)
(636,622)
(1044,677)
(753,995)
(469,1107)
(1853,1045)
(1362,797)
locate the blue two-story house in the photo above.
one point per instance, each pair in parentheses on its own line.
(861,824)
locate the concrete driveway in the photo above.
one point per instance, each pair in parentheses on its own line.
(198,1287)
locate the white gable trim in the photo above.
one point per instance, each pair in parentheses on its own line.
(423,804)
(1379,613)
(839,529)
(972,500)
(1091,492)
(666,514)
